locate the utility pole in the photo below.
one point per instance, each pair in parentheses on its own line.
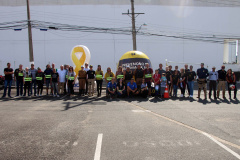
(31,59)
(134,32)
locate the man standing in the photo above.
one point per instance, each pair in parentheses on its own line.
(161,70)
(186,70)
(91,79)
(27,81)
(138,73)
(18,77)
(8,80)
(86,69)
(62,79)
(82,75)
(148,77)
(33,72)
(48,77)
(221,81)
(202,74)
(65,85)
(213,77)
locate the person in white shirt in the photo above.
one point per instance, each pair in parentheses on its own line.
(213,77)
(62,79)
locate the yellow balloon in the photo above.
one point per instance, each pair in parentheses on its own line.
(78,62)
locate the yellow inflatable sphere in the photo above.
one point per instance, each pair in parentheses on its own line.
(133,58)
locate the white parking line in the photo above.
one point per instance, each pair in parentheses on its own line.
(222,145)
(98,147)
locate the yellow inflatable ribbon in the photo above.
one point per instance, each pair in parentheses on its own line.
(78,62)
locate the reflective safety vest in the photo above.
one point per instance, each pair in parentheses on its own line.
(109,78)
(27,79)
(67,76)
(119,76)
(148,75)
(20,74)
(99,76)
(48,76)
(71,78)
(39,78)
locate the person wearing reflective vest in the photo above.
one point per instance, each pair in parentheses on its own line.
(108,77)
(112,88)
(147,73)
(71,80)
(82,75)
(91,80)
(18,77)
(99,80)
(48,78)
(119,74)
(40,81)
(27,81)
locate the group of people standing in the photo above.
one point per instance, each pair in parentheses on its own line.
(124,83)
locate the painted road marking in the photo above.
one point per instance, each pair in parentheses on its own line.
(189,127)
(222,145)
(98,147)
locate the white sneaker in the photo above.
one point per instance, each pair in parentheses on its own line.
(181,95)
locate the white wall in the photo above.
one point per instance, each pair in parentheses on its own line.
(106,49)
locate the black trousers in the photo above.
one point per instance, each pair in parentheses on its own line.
(27,85)
(212,86)
(99,86)
(70,86)
(40,87)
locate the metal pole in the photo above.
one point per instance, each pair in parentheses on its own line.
(31,59)
(133,27)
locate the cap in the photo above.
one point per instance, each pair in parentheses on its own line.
(90,66)
(213,67)
(202,63)
(82,66)
(128,66)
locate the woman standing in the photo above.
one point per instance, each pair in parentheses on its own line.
(175,82)
(231,80)
(71,79)
(40,81)
(99,80)
(191,77)
(182,84)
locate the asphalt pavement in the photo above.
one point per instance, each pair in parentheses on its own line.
(94,128)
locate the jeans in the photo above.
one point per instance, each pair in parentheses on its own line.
(19,86)
(9,84)
(34,82)
(190,85)
(175,87)
(55,88)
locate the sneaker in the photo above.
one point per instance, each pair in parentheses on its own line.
(10,96)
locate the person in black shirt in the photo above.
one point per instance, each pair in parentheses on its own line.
(185,71)
(202,74)
(169,80)
(221,81)
(191,77)
(8,80)
(121,91)
(18,77)
(138,74)
(182,82)
(40,81)
(91,79)
(175,82)
(55,80)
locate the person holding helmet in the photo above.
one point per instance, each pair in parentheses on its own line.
(231,80)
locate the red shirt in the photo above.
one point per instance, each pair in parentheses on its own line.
(156,78)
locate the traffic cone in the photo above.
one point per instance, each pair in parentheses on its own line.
(166,94)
